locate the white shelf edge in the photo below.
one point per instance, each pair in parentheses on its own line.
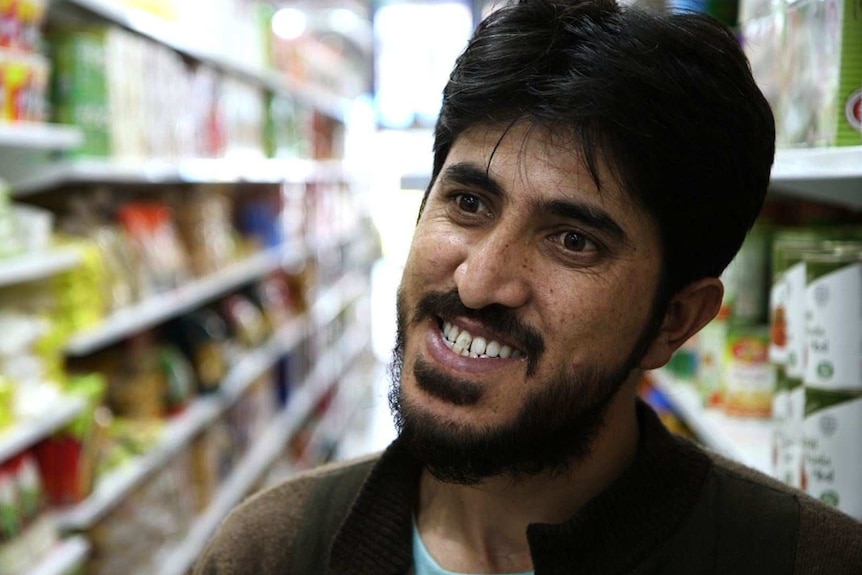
(26,433)
(37,265)
(333,301)
(264,452)
(112,488)
(256,362)
(817,163)
(748,441)
(161,307)
(39,136)
(188,171)
(159,31)
(67,555)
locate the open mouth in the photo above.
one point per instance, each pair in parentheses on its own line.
(466,344)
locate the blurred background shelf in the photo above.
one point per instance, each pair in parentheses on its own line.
(831,175)
(155,309)
(38,136)
(748,441)
(64,559)
(25,433)
(37,265)
(24,180)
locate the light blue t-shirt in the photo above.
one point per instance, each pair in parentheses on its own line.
(424,564)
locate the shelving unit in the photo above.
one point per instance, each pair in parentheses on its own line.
(26,433)
(265,451)
(67,556)
(168,34)
(37,173)
(158,308)
(748,441)
(35,136)
(25,181)
(37,265)
(832,175)
(114,487)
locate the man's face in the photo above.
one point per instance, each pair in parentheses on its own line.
(550,284)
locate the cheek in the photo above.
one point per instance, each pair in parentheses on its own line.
(433,255)
(602,321)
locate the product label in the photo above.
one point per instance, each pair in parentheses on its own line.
(832,459)
(778,322)
(788,413)
(749,377)
(794,285)
(833,314)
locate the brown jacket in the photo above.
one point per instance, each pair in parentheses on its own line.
(677,510)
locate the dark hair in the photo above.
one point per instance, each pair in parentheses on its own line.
(665,101)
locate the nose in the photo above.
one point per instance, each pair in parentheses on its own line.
(496,270)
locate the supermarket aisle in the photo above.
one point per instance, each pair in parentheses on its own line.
(373,429)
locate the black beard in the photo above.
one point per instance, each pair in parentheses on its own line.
(554,429)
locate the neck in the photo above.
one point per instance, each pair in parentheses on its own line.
(483,528)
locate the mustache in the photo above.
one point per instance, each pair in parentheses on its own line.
(496,317)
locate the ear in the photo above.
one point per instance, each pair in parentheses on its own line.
(689,310)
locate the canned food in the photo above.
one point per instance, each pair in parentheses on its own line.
(832,466)
(833,318)
(787,348)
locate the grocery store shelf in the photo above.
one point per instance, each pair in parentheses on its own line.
(156,309)
(829,174)
(188,171)
(36,265)
(172,36)
(257,362)
(331,303)
(748,441)
(112,488)
(36,136)
(26,433)
(64,559)
(265,451)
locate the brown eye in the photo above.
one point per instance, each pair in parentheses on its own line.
(468,203)
(575,242)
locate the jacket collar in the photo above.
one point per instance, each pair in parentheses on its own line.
(611,534)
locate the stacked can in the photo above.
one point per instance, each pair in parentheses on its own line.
(832,427)
(787,348)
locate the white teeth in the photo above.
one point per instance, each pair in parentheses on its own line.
(478,346)
(464,339)
(463,343)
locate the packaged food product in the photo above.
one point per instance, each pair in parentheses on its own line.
(151,228)
(787,347)
(67,460)
(80,88)
(202,336)
(825,84)
(138,389)
(712,340)
(749,376)
(832,464)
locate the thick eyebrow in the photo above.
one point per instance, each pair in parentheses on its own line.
(593,217)
(471,175)
(583,213)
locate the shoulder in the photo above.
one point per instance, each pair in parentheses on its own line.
(258,536)
(825,539)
